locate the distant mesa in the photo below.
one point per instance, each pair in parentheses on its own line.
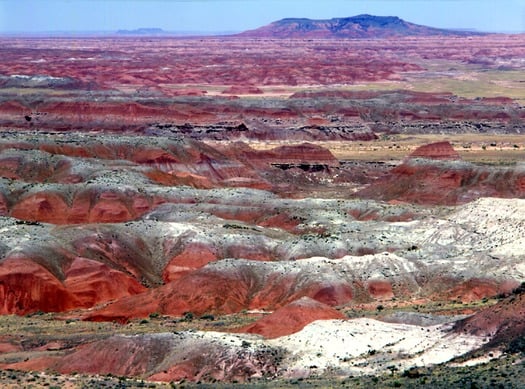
(142,31)
(360,26)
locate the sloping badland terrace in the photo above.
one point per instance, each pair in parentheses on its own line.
(103,239)
(150,229)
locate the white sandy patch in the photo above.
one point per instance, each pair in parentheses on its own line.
(500,221)
(363,346)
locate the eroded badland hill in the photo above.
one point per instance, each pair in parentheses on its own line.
(263,210)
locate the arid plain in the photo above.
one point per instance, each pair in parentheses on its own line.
(262,211)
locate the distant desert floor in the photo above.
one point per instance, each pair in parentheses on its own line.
(490,149)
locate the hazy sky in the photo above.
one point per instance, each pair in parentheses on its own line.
(239,15)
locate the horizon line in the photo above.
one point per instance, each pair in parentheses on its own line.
(183,33)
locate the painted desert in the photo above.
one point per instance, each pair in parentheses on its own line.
(335,203)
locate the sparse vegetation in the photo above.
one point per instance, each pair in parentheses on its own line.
(506,372)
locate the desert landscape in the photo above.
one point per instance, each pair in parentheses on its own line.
(309,204)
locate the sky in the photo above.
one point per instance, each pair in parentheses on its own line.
(219,16)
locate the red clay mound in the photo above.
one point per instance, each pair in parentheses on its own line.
(27,287)
(91,205)
(476,289)
(504,321)
(292,318)
(282,220)
(93,282)
(224,288)
(305,153)
(379,289)
(44,206)
(439,150)
(194,256)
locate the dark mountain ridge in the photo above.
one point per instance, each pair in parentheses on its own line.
(360,26)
